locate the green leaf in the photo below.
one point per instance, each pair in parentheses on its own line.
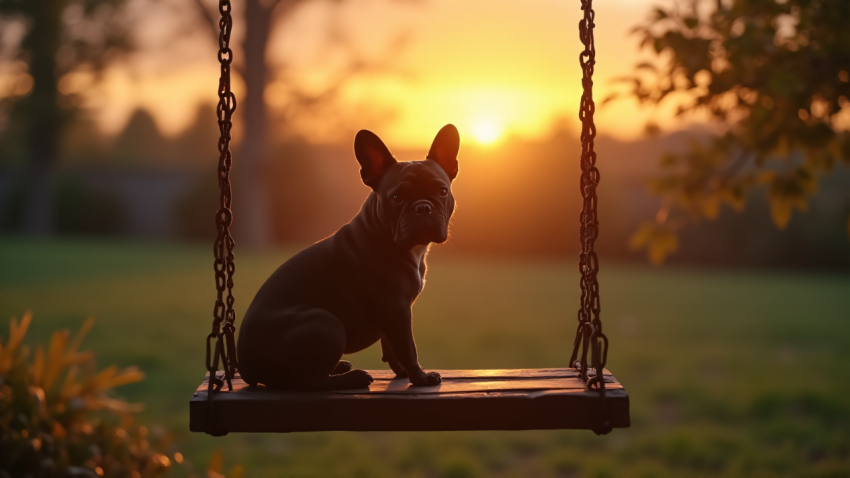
(787,192)
(659,241)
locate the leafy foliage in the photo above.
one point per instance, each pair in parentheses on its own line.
(775,74)
(660,241)
(47,406)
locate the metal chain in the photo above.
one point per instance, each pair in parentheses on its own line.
(589,336)
(224,317)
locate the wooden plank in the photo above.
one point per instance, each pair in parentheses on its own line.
(466,400)
(403,386)
(496,373)
(453,377)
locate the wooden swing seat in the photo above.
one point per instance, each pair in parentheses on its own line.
(518,399)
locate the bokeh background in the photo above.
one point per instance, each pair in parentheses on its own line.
(734,352)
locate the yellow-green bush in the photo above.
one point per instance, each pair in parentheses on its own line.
(58,419)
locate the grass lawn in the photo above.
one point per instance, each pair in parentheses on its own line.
(730,373)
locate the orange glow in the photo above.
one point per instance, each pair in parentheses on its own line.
(486,131)
(492,68)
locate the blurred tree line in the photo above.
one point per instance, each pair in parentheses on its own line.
(775,76)
(518,198)
(57,37)
(80,202)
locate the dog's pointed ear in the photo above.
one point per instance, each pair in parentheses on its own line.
(444,150)
(374,157)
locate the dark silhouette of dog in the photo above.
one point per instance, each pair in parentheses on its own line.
(356,287)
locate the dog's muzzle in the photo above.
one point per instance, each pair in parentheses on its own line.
(422,224)
(423,207)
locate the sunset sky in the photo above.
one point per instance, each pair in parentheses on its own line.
(492,67)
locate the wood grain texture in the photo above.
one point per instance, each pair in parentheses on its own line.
(520,399)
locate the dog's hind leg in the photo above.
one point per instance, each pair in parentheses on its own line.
(342,367)
(305,353)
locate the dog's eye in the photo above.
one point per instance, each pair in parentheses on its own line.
(396,198)
(443,191)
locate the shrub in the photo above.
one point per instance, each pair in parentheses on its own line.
(58,419)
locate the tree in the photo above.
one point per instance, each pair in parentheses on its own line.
(62,36)
(252,212)
(775,75)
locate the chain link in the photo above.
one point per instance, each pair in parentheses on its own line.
(589,336)
(224,317)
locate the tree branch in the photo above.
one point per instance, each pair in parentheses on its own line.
(355,67)
(285,9)
(208,18)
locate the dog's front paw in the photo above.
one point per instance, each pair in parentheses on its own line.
(426,379)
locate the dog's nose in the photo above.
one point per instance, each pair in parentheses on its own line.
(422,207)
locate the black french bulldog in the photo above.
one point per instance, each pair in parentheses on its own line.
(356,287)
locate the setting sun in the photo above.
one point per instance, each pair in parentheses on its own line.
(486,131)
(467,71)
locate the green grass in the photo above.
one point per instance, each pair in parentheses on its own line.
(730,373)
